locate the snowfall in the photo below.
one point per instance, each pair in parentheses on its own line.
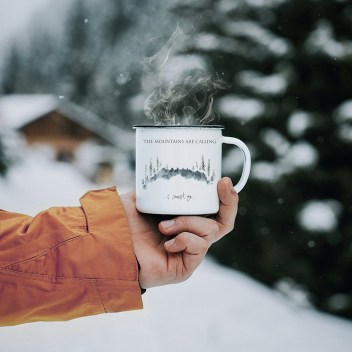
(217,309)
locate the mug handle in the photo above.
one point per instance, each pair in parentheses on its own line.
(247,161)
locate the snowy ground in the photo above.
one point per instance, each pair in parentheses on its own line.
(218,309)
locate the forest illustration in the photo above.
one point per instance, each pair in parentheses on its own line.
(201,171)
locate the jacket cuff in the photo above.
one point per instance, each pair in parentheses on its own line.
(115,269)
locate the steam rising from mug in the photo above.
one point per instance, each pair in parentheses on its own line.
(185,100)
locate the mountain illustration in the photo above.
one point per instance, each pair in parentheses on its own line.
(199,172)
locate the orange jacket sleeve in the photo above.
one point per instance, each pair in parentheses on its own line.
(67,262)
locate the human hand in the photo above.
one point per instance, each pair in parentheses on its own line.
(166,261)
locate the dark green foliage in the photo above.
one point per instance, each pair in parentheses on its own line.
(268,242)
(10,74)
(3,160)
(91,57)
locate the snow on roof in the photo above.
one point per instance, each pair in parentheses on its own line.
(18,110)
(108,131)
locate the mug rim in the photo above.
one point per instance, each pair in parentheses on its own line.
(178,126)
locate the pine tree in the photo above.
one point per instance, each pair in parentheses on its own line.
(79,70)
(10,74)
(157,164)
(202,165)
(3,160)
(150,168)
(94,59)
(208,168)
(289,64)
(212,177)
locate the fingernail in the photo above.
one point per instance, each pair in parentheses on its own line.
(170,243)
(167,224)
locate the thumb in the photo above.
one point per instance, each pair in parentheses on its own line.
(228,205)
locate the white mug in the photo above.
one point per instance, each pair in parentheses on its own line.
(178,168)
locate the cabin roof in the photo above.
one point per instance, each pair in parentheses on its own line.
(19,110)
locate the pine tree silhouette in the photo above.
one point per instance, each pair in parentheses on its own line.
(202,165)
(157,164)
(150,168)
(212,177)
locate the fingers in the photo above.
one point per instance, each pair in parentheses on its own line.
(212,230)
(193,247)
(228,206)
(203,227)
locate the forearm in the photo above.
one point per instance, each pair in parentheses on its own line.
(67,262)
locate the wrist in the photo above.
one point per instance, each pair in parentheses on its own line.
(143,290)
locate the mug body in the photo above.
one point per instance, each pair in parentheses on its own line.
(177,169)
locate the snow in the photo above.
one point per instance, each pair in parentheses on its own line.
(232,161)
(136,103)
(239,107)
(295,292)
(322,41)
(275,140)
(178,67)
(275,84)
(345,133)
(298,122)
(226,6)
(265,3)
(344,111)
(319,215)
(37,183)
(123,78)
(343,115)
(210,41)
(259,35)
(18,109)
(265,171)
(339,301)
(195,3)
(300,155)
(217,309)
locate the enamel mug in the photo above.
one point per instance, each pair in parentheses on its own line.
(178,168)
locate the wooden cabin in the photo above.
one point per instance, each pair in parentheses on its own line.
(65,127)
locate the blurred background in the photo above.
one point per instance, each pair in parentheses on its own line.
(72,84)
